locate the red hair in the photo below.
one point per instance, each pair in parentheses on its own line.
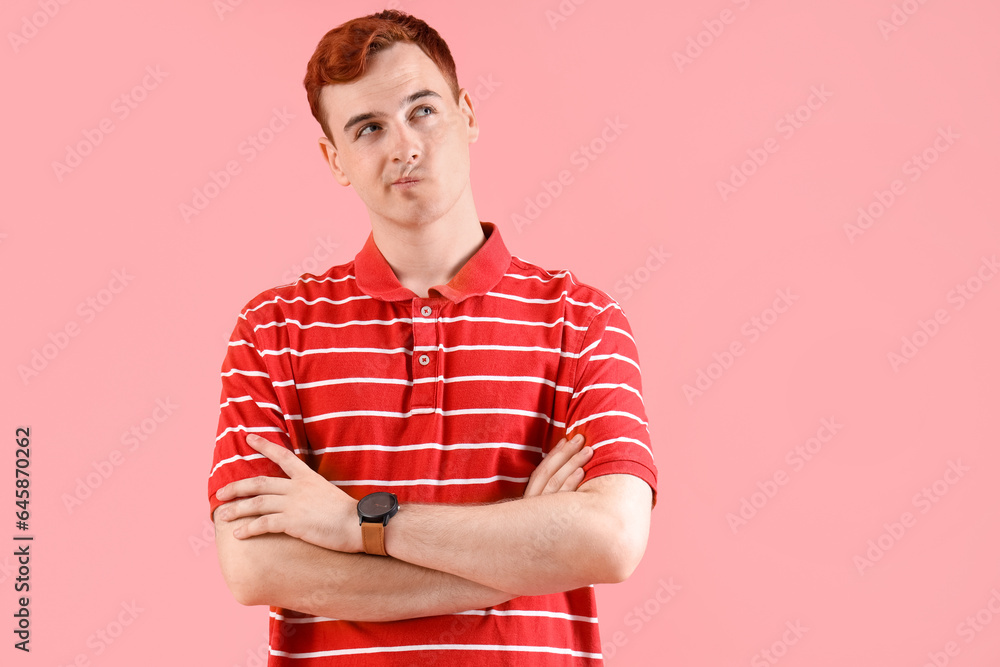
(344,53)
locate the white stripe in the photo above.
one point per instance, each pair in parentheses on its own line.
(234,343)
(608,385)
(330,325)
(526,612)
(563,273)
(231,459)
(516,348)
(589,347)
(559,298)
(425,445)
(439,378)
(428,348)
(473,612)
(609,413)
(623,439)
(596,357)
(238,399)
(621,331)
(424,411)
(427,482)
(256,374)
(323,280)
(247,429)
(320,299)
(249,457)
(375,350)
(439,647)
(409,320)
(503,320)
(308,619)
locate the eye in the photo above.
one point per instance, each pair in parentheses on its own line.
(423,108)
(364,130)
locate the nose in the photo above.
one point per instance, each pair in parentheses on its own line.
(406,146)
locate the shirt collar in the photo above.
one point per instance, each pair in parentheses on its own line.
(477,277)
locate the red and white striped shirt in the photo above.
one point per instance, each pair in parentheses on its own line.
(451,398)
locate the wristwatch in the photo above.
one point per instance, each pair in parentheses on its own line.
(374,512)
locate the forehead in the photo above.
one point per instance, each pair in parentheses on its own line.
(391,75)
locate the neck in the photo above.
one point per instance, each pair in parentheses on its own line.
(425,255)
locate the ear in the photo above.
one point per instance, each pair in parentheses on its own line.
(465,108)
(332,158)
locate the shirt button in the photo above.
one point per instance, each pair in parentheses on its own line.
(426,311)
(424,360)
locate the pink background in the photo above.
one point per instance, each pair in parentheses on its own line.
(546,87)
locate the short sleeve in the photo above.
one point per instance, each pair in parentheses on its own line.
(249,404)
(607,405)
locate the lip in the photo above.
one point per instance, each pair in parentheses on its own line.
(406,181)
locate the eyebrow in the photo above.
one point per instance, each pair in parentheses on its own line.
(409,99)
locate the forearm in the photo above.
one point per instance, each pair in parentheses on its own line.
(532,546)
(286,572)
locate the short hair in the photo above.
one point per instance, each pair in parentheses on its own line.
(343,54)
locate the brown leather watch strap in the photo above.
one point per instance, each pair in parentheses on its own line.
(373,538)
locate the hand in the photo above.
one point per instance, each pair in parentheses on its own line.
(305,506)
(561,470)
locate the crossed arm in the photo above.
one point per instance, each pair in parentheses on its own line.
(295,543)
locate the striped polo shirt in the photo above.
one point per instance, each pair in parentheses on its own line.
(453,398)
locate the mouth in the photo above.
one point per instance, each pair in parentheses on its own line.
(405,183)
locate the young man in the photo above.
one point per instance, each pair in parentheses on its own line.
(395,471)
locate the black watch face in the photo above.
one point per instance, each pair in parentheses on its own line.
(377,504)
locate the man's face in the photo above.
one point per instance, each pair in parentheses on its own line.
(400,121)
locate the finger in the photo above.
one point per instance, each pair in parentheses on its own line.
(573,482)
(269,523)
(255,506)
(286,460)
(540,475)
(253,486)
(575,463)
